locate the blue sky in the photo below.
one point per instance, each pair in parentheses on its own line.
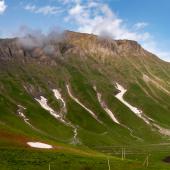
(146,21)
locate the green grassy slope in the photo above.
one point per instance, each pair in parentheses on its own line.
(145,77)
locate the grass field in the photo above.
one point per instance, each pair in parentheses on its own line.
(20,158)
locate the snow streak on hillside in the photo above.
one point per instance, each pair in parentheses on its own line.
(82,105)
(140,113)
(59,116)
(58,96)
(135,110)
(21,114)
(104,106)
(44,104)
(111,115)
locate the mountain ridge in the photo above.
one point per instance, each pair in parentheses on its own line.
(117,47)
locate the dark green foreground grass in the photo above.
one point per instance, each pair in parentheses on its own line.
(18,159)
(34,159)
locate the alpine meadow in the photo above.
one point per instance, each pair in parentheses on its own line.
(80,100)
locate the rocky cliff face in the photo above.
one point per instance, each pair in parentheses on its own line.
(70,43)
(9,49)
(105,45)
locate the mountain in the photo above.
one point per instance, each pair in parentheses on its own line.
(77,101)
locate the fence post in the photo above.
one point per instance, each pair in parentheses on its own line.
(122,154)
(146,161)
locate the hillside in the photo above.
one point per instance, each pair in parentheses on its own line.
(85,96)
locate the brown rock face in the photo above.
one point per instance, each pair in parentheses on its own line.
(104,45)
(70,43)
(10,49)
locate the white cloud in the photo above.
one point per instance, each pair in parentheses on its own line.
(76,10)
(153,47)
(98,18)
(3,6)
(43,10)
(95,16)
(30,8)
(66,1)
(140,25)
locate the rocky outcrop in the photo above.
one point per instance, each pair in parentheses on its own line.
(46,51)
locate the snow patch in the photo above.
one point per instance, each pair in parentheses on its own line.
(82,105)
(139,113)
(44,104)
(104,106)
(26,120)
(163,131)
(58,96)
(22,115)
(135,110)
(39,145)
(110,113)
